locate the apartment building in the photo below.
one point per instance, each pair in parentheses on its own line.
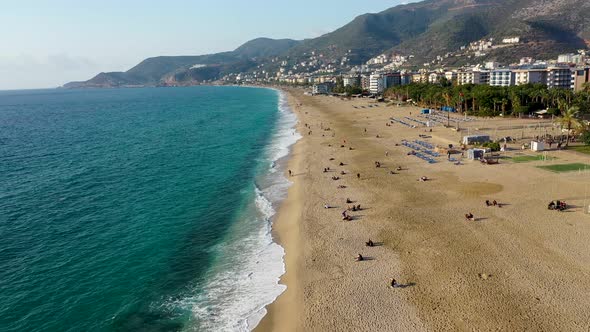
(530,76)
(376,84)
(502,77)
(559,77)
(580,76)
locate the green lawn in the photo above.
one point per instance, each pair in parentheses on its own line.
(525,159)
(580,148)
(566,167)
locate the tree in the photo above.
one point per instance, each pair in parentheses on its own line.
(569,121)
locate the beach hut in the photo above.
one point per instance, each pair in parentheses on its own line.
(475,139)
(473,154)
(537,146)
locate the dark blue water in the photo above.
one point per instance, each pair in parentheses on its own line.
(114,204)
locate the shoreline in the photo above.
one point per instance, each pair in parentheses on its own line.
(286,233)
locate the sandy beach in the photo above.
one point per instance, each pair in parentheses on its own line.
(519,267)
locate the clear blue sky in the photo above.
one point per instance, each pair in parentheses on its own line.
(47,43)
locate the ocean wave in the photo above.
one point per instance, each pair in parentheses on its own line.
(245,278)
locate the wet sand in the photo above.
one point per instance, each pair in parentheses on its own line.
(519,267)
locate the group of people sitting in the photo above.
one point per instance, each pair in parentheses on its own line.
(335,178)
(493,203)
(377,164)
(326,169)
(346,216)
(355,208)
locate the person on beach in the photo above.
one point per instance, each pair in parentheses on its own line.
(488,202)
(423,179)
(393,283)
(290,173)
(386,153)
(348,201)
(399,168)
(358,175)
(469,216)
(326,206)
(359,257)
(369,243)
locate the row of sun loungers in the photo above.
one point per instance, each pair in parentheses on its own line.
(402,122)
(417,121)
(421,152)
(424,144)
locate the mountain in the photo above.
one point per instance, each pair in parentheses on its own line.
(265,47)
(173,70)
(433,27)
(424,29)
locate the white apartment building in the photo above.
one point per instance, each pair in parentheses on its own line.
(511,40)
(530,76)
(319,89)
(434,78)
(376,84)
(473,77)
(351,81)
(451,75)
(502,77)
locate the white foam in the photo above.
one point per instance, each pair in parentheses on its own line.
(245,278)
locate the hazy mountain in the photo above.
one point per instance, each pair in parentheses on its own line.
(189,69)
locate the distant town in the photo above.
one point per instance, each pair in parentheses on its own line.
(568,71)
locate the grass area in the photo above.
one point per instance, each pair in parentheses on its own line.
(566,167)
(580,148)
(525,159)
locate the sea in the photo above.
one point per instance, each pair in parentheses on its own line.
(144,209)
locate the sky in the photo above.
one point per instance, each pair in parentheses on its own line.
(47,43)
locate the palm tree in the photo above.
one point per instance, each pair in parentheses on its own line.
(568,119)
(504,102)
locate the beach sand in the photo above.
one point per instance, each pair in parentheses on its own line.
(518,267)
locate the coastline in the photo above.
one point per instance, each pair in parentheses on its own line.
(286,232)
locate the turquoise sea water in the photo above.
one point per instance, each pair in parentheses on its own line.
(139,209)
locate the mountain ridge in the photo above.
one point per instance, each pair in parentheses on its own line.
(423,29)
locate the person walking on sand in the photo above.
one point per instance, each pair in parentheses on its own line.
(290,173)
(358,175)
